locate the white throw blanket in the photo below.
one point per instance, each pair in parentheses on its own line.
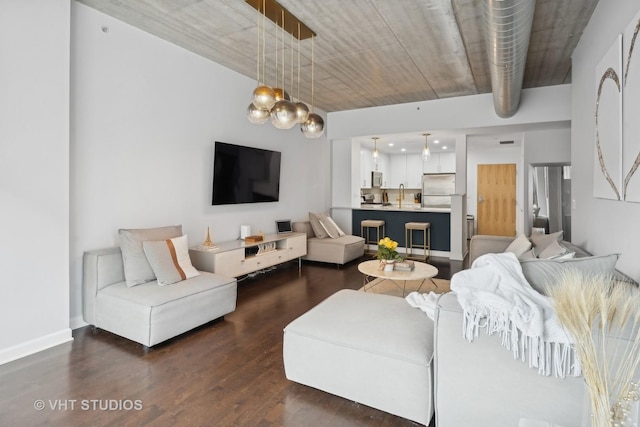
(495,296)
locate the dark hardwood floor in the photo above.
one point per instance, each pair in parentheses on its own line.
(226,373)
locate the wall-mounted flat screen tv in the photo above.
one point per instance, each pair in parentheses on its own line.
(245,174)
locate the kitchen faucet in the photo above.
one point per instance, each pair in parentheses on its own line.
(400,195)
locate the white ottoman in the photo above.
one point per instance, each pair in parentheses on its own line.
(371,348)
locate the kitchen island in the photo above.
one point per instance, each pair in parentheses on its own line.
(395,218)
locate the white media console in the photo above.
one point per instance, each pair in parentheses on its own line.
(237,258)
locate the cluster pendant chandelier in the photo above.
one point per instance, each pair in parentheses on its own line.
(274,102)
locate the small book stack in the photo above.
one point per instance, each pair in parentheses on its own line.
(405,265)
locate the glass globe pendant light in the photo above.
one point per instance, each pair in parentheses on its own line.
(302,111)
(426,153)
(375,148)
(283,113)
(256,115)
(263,96)
(314,126)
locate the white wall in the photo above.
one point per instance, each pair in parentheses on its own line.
(543,147)
(602,226)
(145,114)
(34,175)
(547,105)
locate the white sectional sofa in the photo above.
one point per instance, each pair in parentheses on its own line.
(346,346)
(148,313)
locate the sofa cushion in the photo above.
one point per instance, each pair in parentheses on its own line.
(318,229)
(170,260)
(543,273)
(553,250)
(330,226)
(519,246)
(541,241)
(149,294)
(137,269)
(303,227)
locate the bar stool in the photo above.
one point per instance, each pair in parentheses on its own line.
(409,228)
(365,230)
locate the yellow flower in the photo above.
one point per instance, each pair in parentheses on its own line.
(387,249)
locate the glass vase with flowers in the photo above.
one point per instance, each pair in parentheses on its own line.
(387,253)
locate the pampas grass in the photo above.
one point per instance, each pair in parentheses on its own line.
(603,317)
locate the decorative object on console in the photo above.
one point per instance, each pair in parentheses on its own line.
(208,243)
(283,226)
(605,325)
(245,230)
(253,239)
(266,247)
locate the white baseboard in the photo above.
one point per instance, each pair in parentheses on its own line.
(417,252)
(77,322)
(35,345)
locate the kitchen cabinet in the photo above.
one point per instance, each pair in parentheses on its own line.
(405,169)
(366,166)
(383,166)
(414,171)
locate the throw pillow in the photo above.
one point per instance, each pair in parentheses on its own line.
(544,273)
(318,229)
(136,267)
(340,232)
(320,225)
(530,254)
(541,241)
(553,250)
(519,246)
(170,260)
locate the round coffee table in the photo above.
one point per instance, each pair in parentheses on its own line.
(422,271)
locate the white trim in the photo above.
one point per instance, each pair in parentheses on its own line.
(35,345)
(77,322)
(417,251)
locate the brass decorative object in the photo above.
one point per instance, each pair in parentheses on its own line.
(208,243)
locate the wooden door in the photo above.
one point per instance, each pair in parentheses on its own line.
(497,199)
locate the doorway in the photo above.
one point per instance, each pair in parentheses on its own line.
(497,199)
(551,199)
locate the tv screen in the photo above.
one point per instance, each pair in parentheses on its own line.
(245,174)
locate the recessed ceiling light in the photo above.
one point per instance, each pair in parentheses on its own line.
(436,141)
(444,147)
(391,144)
(404,149)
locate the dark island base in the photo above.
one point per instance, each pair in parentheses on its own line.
(395,221)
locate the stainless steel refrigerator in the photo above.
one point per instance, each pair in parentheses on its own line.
(437,189)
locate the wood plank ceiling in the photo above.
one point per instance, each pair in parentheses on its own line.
(367,52)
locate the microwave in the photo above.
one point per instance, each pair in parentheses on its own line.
(376,179)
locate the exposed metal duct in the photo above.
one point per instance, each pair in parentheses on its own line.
(507,31)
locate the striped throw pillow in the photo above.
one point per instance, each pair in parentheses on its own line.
(170,260)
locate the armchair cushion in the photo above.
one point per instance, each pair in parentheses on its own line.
(137,269)
(170,260)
